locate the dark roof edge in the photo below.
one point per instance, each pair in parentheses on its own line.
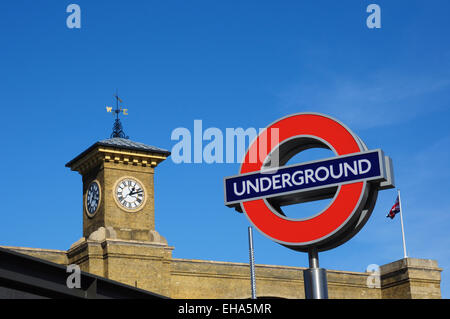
(99,143)
(35,263)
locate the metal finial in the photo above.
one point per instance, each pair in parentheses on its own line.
(118,130)
(117,127)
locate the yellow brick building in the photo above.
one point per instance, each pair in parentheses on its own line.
(120,242)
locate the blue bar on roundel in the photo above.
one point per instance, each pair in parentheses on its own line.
(305,177)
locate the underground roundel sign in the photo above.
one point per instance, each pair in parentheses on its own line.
(352,179)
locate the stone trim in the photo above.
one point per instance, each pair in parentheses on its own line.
(109,155)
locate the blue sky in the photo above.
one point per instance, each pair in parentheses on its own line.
(230,64)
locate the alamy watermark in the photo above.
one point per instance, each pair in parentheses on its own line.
(74,279)
(374,19)
(73,21)
(373,280)
(213,145)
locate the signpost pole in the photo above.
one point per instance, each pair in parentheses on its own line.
(315,278)
(252,262)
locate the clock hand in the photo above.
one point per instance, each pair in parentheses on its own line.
(135,192)
(132,191)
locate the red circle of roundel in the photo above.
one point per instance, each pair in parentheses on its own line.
(298,232)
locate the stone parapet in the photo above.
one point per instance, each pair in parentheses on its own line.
(150,266)
(411,278)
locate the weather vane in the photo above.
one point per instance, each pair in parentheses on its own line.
(117,127)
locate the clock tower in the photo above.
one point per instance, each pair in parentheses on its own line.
(118,188)
(119,240)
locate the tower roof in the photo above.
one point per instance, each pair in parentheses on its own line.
(121,143)
(131,145)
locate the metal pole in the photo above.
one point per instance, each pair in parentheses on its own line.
(401,222)
(252,262)
(315,278)
(313,258)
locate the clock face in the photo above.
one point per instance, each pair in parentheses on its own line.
(92,198)
(129,194)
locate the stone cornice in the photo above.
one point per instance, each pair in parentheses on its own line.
(102,154)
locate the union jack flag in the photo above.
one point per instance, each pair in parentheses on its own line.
(394,210)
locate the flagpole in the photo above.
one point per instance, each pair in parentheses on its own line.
(401,221)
